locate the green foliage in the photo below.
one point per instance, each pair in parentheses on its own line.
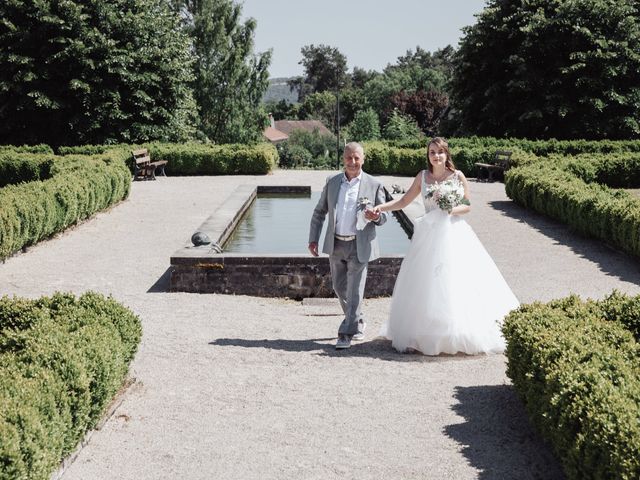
(365,126)
(616,170)
(325,70)
(319,106)
(207,159)
(575,366)
(308,149)
(591,208)
(62,359)
(401,127)
(16,168)
(610,162)
(405,86)
(282,110)
(78,72)
(426,107)
(293,156)
(382,159)
(540,69)
(79,187)
(41,148)
(229,79)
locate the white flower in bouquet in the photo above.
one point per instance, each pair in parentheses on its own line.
(447,195)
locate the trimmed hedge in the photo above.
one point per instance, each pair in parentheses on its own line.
(62,360)
(578,374)
(89,149)
(408,157)
(205,159)
(80,187)
(616,170)
(383,159)
(537,147)
(44,149)
(17,168)
(197,158)
(591,208)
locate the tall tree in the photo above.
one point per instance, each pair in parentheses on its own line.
(325,68)
(319,106)
(77,71)
(441,60)
(382,92)
(427,108)
(365,126)
(360,76)
(541,69)
(230,79)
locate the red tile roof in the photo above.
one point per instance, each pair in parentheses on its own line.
(274,135)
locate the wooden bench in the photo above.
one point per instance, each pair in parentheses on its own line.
(499,165)
(144,168)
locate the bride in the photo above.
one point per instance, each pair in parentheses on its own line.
(449,296)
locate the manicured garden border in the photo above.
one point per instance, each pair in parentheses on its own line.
(79,187)
(62,360)
(576,366)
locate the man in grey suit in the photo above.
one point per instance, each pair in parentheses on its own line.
(350,245)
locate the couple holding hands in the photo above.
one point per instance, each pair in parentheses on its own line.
(449,296)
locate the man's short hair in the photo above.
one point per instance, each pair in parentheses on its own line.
(351,146)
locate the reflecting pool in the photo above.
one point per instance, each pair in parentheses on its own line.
(277,223)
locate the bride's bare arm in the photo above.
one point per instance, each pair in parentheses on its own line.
(406,199)
(462,209)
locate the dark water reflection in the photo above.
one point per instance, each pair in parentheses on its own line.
(280,224)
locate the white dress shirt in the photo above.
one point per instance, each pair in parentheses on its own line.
(346,210)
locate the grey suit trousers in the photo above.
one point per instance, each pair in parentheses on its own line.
(349,276)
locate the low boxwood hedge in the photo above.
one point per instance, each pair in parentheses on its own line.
(17,168)
(384,158)
(80,186)
(42,148)
(558,189)
(62,360)
(197,158)
(576,367)
(206,159)
(408,157)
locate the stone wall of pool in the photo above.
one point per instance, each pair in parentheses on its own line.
(202,269)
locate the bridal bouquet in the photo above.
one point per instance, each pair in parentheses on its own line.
(447,194)
(363,203)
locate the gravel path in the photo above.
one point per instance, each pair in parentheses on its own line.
(244,387)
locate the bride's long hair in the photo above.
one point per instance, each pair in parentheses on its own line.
(442,143)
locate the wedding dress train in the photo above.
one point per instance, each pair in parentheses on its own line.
(449,296)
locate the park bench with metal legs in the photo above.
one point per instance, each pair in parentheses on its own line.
(144,168)
(489,171)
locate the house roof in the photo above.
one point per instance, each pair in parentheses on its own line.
(274,135)
(287,126)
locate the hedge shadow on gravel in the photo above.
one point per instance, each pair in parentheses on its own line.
(610,261)
(497,438)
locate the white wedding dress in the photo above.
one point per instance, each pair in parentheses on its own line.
(449,296)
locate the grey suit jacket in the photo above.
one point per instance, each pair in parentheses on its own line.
(371,188)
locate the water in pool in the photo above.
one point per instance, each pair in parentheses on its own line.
(280,224)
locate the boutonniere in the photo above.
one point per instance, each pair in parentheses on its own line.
(363,202)
(363,205)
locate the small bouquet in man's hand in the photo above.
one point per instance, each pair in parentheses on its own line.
(364,204)
(447,195)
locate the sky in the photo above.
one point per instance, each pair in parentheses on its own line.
(370,33)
